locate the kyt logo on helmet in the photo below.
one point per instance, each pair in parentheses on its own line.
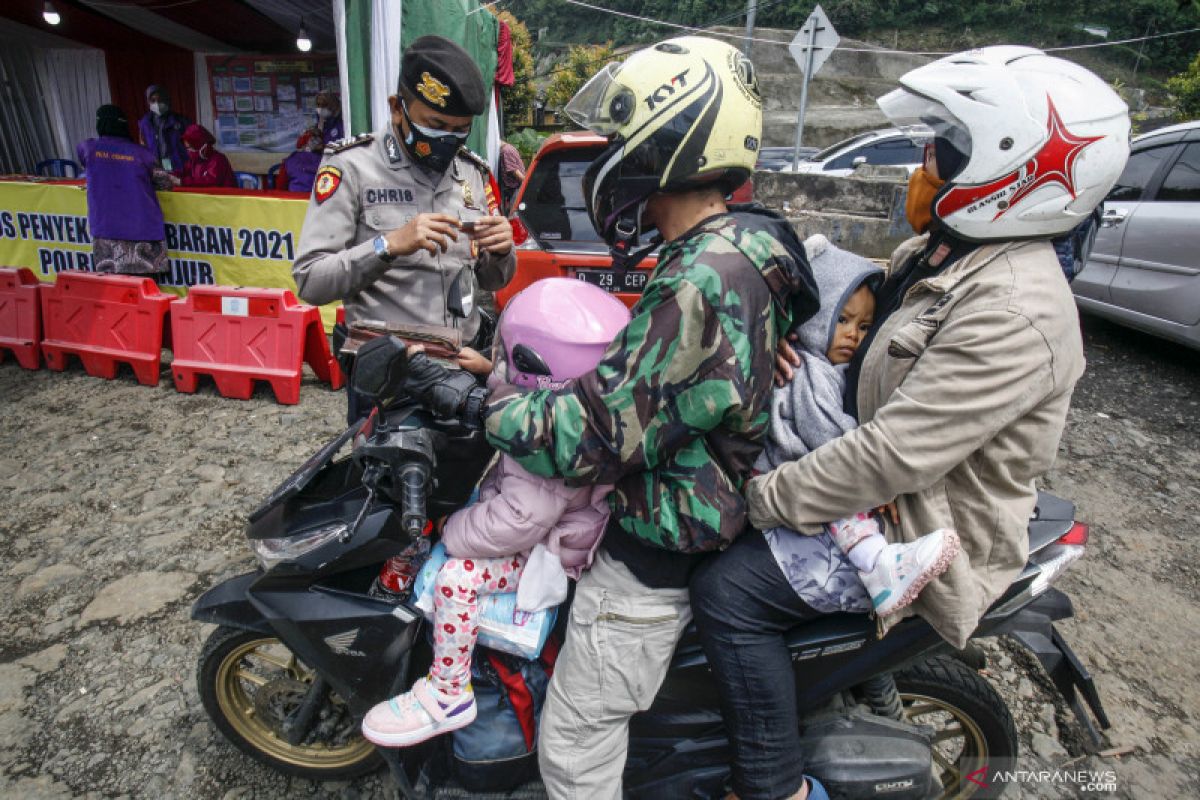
(657,96)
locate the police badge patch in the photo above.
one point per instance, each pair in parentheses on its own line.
(392,147)
(434,91)
(327,181)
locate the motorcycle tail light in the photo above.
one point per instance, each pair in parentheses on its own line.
(288,548)
(1078,535)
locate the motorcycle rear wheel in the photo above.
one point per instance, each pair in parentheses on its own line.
(249,681)
(974,731)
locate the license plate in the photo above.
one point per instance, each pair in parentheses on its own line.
(632,281)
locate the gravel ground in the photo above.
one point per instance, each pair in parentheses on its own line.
(120,504)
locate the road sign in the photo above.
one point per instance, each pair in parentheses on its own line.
(818,36)
(810,49)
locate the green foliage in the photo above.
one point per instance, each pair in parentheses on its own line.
(945,24)
(527,141)
(582,62)
(518,98)
(1186,88)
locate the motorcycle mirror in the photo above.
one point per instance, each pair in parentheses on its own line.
(380,368)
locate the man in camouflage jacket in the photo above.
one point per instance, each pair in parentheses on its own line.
(674,416)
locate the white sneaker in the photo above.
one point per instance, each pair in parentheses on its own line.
(903,570)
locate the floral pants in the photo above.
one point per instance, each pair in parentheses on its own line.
(459,585)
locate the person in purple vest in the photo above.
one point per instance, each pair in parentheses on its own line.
(124,218)
(300,168)
(162,130)
(329,117)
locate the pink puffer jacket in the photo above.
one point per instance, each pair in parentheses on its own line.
(518,509)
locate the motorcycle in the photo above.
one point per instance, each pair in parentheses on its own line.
(302,651)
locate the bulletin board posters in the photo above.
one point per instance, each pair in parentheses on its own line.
(262,103)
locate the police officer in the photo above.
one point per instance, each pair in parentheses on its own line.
(403,223)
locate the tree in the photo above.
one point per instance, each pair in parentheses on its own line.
(582,62)
(1186,88)
(518,98)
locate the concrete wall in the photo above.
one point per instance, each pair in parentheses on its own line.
(863,213)
(841,97)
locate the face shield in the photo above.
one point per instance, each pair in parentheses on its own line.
(603,105)
(913,113)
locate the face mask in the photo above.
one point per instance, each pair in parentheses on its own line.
(922,187)
(429,147)
(324,113)
(159,108)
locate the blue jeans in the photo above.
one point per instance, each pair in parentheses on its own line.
(743,606)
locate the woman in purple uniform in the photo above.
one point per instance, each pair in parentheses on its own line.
(124,217)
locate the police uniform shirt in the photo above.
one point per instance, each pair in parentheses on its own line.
(371,187)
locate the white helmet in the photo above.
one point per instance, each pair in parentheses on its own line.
(1043,139)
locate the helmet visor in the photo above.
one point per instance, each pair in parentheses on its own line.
(913,113)
(603,105)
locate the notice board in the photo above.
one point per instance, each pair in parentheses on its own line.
(262,103)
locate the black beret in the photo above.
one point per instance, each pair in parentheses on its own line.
(443,75)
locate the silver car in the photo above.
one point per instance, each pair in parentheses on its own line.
(1144,269)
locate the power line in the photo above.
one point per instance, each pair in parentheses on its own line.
(741,37)
(1122,41)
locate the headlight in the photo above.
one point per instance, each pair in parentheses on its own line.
(288,548)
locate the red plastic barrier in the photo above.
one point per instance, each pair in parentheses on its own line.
(240,335)
(105,320)
(20,316)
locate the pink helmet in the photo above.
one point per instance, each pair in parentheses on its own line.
(557,329)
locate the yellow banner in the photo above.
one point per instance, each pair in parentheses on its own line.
(229,240)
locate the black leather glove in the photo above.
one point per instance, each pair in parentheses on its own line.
(443,391)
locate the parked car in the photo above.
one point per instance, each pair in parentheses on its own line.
(776,159)
(1144,268)
(887,147)
(552,232)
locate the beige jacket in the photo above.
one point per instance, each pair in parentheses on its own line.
(962,400)
(376,188)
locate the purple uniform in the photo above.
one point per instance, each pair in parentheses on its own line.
(301,167)
(332,129)
(170,146)
(120,190)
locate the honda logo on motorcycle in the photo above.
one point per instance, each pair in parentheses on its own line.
(340,643)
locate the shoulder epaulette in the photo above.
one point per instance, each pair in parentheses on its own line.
(476,160)
(348,142)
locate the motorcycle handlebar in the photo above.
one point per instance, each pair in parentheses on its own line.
(413,480)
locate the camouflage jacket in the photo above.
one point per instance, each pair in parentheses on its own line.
(675,413)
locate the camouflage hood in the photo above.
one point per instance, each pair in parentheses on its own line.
(786,270)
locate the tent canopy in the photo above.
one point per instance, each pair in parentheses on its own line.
(148,41)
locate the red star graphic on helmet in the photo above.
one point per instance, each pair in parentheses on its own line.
(1054,163)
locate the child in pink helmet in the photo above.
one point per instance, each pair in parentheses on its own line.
(550,333)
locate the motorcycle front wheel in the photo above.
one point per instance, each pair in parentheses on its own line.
(974,733)
(250,683)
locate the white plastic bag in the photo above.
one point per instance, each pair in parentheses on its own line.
(543,582)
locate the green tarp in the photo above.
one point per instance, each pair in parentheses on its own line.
(462,21)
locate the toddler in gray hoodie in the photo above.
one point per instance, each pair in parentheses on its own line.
(850,567)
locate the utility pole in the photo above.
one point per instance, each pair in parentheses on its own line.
(808,70)
(1141,47)
(751,12)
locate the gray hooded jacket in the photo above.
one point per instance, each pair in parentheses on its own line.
(807,412)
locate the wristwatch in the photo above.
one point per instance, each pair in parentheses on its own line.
(381,248)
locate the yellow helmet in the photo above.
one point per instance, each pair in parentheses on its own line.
(682,113)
